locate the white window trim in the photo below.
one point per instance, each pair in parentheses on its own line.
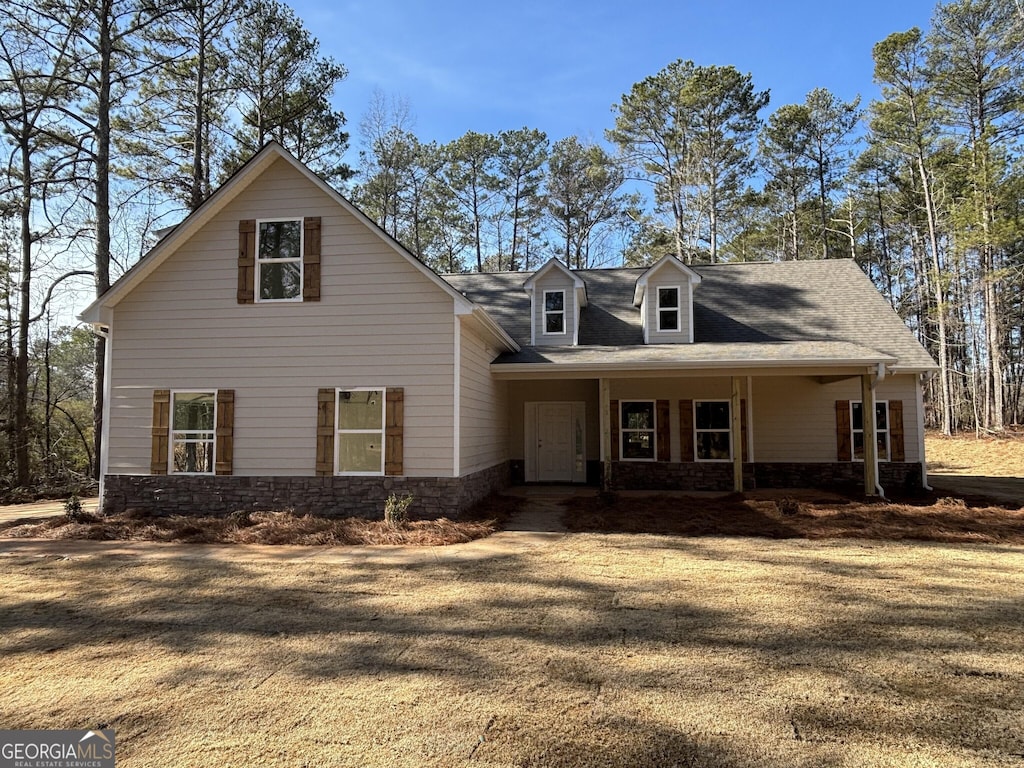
(171,432)
(338,431)
(697,431)
(678,308)
(299,260)
(888,438)
(653,430)
(545,312)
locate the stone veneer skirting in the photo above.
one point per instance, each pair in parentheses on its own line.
(717,476)
(326,496)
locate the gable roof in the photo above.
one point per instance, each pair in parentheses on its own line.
(671,260)
(555,265)
(830,307)
(239,181)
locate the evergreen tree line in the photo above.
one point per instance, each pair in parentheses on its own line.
(120,116)
(922,187)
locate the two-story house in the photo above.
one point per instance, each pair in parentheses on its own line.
(278,350)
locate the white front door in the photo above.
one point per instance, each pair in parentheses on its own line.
(554,442)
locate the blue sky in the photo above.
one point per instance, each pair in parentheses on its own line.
(558,66)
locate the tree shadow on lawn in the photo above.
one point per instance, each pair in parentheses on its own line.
(945,520)
(559,616)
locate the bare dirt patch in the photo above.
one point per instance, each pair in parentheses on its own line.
(591,650)
(800,516)
(270,528)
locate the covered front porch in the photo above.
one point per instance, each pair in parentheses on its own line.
(708,429)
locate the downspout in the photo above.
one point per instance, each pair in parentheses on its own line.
(879,375)
(106,333)
(923,379)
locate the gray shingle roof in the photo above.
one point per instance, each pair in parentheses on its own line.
(774,309)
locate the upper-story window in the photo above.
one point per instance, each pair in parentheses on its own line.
(668,308)
(279,260)
(554,312)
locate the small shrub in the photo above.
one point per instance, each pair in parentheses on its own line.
(396,509)
(74,511)
(242,518)
(788,506)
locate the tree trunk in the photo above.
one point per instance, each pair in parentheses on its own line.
(940,302)
(22,470)
(102,205)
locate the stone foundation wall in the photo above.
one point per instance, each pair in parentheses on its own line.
(326,496)
(676,476)
(717,476)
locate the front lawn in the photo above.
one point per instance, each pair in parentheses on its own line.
(589,650)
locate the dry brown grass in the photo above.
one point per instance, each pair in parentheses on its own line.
(591,650)
(271,528)
(831,517)
(978,456)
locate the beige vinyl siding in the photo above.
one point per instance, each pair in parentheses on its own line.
(667,276)
(793,416)
(795,420)
(554,280)
(570,391)
(380,323)
(483,405)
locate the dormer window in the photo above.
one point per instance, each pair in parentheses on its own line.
(554,312)
(279,260)
(668,308)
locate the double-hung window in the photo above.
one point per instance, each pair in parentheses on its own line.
(881,429)
(712,423)
(637,430)
(668,308)
(360,432)
(192,432)
(554,312)
(279,260)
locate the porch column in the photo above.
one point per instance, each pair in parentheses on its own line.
(867,410)
(736,429)
(604,419)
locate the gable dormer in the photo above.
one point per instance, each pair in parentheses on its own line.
(664,294)
(557,295)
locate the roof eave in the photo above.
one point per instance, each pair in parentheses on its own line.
(693,365)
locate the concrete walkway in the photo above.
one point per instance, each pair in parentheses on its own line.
(543,510)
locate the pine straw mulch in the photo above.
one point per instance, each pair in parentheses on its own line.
(271,528)
(951,520)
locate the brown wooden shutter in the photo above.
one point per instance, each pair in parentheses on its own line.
(224,449)
(897,444)
(664,433)
(613,421)
(246,261)
(686,430)
(743,430)
(394,426)
(326,402)
(311,258)
(844,438)
(161,431)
